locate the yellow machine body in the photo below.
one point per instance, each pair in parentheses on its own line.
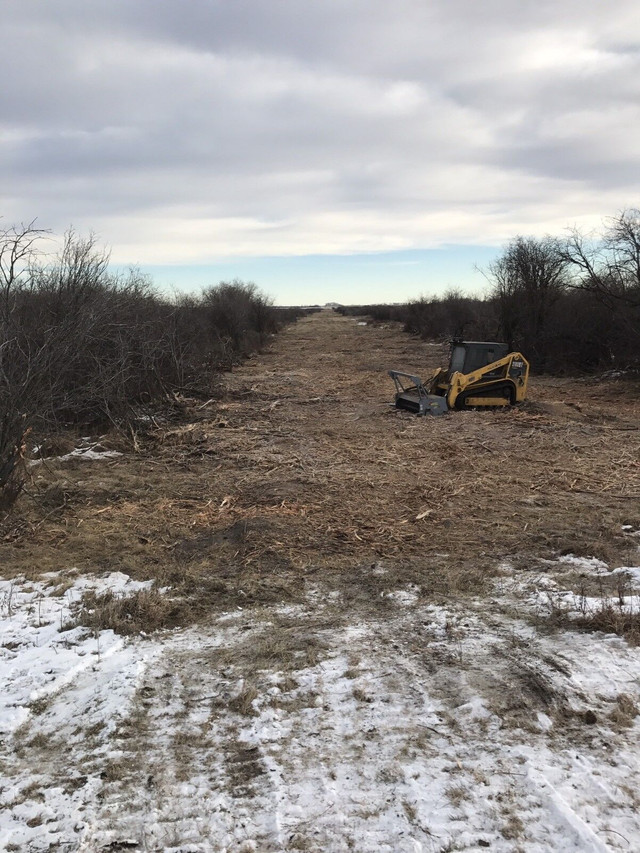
(499,383)
(480,373)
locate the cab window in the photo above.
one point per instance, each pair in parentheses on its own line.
(457,359)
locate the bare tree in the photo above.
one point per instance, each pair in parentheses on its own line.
(527,280)
(17,251)
(608,267)
(18,248)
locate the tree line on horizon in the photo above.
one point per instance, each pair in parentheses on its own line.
(569,305)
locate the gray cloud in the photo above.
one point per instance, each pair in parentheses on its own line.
(188,131)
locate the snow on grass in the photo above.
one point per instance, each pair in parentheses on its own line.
(584,564)
(59,683)
(616,592)
(371,750)
(631,573)
(408,726)
(575,605)
(404,597)
(38,653)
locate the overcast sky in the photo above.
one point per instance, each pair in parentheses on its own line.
(327,149)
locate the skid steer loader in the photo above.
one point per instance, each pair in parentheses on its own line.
(480,373)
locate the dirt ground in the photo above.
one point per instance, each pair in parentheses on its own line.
(370,622)
(305,468)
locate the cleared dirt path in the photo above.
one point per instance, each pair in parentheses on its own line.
(314,430)
(304,465)
(376,651)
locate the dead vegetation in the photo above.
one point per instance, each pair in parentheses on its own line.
(625,711)
(303,473)
(604,603)
(242,702)
(611,619)
(144,611)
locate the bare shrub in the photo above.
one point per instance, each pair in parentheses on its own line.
(12,449)
(439,317)
(625,711)
(18,246)
(608,266)
(83,347)
(570,305)
(452,315)
(239,317)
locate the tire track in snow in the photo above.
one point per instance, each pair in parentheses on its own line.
(189,775)
(512,754)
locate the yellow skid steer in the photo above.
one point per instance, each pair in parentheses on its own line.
(480,373)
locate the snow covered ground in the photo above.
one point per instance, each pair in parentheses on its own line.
(402,727)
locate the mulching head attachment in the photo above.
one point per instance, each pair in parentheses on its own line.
(412,395)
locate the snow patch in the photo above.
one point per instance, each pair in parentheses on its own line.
(584,564)
(404,597)
(632,573)
(39,655)
(423,728)
(87,450)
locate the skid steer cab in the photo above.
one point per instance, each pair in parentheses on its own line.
(480,373)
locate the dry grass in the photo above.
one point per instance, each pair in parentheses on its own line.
(513,828)
(282,646)
(457,794)
(145,610)
(115,770)
(611,619)
(242,702)
(410,811)
(299,842)
(29,793)
(39,706)
(287,684)
(612,613)
(361,695)
(625,712)
(303,473)
(294,704)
